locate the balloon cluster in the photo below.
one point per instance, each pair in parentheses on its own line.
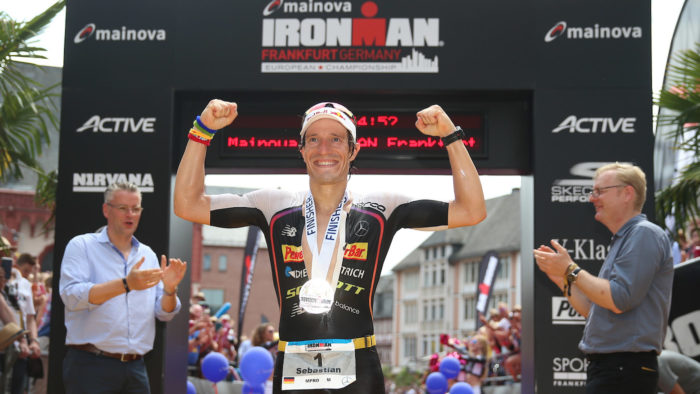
(256,367)
(449,368)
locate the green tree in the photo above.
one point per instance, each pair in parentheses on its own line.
(25,108)
(682,98)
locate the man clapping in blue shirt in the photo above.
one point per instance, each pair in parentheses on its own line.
(112,287)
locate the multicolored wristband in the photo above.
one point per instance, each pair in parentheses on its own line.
(201,133)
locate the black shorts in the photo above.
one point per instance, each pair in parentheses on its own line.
(370,378)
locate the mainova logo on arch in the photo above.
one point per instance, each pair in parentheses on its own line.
(119,34)
(594,32)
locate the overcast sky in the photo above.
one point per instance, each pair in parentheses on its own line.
(664,16)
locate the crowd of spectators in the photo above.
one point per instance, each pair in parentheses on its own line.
(208,333)
(491,354)
(25,302)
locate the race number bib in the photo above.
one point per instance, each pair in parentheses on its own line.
(320,364)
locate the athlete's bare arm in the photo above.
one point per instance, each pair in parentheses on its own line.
(469,207)
(189,201)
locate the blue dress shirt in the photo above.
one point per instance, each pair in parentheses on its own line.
(122,324)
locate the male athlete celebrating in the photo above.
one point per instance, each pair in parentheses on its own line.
(336,237)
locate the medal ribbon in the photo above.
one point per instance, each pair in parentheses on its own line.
(321,260)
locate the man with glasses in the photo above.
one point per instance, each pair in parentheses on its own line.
(627,305)
(327,245)
(113,288)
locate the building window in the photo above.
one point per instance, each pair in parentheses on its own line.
(411,282)
(442,276)
(504,269)
(206,263)
(409,347)
(410,313)
(222,263)
(469,308)
(471,272)
(215,298)
(441,311)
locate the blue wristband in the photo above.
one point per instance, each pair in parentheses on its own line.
(199,122)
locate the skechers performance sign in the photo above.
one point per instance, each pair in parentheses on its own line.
(316,36)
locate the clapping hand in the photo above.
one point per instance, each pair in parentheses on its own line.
(172,273)
(139,279)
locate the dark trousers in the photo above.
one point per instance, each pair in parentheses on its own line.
(18,377)
(88,373)
(620,373)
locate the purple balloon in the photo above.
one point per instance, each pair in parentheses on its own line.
(256,365)
(215,366)
(449,366)
(461,388)
(436,383)
(190,388)
(250,388)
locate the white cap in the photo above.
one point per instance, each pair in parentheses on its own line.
(329,111)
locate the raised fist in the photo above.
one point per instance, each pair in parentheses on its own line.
(434,121)
(219,114)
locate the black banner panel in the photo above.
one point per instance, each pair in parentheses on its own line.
(541,87)
(576,132)
(683,333)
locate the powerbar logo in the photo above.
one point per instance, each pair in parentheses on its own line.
(123,34)
(595,32)
(118,125)
(96,182)
(569,371)
(292,254)
(362,45)
(356,251)
(573,124)
(564,313)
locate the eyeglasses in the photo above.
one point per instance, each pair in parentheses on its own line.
(600,190)
(124,209)
(334,106)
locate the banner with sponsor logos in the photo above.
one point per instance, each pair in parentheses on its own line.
(248,267)
(684,320)
(488,270)
(576,132)
(108,136)
(581,74)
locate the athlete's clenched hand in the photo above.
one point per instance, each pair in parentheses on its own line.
(434,121)
(219,114)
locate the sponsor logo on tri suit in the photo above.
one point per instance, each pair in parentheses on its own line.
(344,286)
(347,308)
(289,231)
(354,272)
(296,274)
(361,228)
(356,251)
(292,254)
(370,204)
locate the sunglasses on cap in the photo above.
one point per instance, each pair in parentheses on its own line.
(337,106)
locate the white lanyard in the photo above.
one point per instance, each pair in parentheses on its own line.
(321,261)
